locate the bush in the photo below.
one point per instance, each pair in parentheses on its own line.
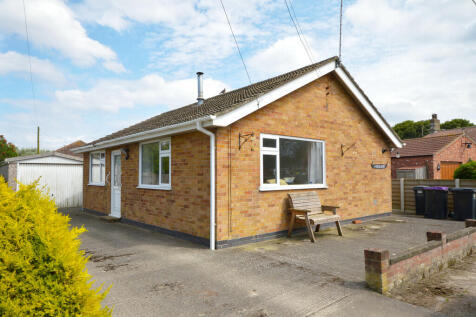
(42,270)
(466,171)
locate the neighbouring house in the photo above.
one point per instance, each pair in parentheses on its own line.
(218,171)
(67,148)
(436,155)
(61,174)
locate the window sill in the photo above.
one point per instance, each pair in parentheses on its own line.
(264,188)
(161,187)
(96,184)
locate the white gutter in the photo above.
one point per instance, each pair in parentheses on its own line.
(212,182)
(141,136)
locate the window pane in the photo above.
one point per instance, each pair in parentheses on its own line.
(300,161)
(165,170)
(164,146)
(117,170)
(269,143)
(269,169)
(150,164)
(95,168)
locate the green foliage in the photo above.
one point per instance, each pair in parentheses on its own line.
(7,149)
(42,270)
(30,151)
(416,129)
(410,129)
(466,171)
(456,123)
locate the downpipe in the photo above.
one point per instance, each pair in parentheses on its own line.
(212,183)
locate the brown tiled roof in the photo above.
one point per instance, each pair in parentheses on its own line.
(67,148)
(469,131)
(214,105)
(425,146)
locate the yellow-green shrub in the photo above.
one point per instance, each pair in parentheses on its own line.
(42,270)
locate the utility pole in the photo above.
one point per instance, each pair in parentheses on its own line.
(38,140)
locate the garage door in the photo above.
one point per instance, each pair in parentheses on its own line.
(64,181)
(448,169)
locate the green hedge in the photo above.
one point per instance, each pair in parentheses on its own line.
(466,171)
(42,270)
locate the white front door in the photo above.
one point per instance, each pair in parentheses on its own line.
(116,184)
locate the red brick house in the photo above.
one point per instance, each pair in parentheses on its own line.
(218,171)
(438,154)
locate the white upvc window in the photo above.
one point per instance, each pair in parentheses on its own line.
(155,164)
(97,168)
(291,163)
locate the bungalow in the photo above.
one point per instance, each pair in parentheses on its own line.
(218,171)
(436,155)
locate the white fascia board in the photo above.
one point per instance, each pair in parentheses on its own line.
(349,83)
(264,100)
(146,135)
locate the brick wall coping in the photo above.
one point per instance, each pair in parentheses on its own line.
(427,246)
(413,251)
(384,272)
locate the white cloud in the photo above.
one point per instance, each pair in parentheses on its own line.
(282,56)
(80,114)
(13,62)
(52,25)
(414,59)
(192,33)
(150,90)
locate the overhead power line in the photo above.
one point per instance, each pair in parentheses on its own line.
(299,33)
(300,30)
(31,78)
(236,42)
(340,30)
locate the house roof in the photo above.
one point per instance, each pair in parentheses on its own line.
(235,104)
(469,131)
(67,148)
(425,146)
(47,154)
(213,105)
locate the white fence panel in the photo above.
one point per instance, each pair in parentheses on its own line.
(64,181)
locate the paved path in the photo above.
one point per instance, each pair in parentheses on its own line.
(157,275)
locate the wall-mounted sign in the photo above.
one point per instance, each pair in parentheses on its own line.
(379,166)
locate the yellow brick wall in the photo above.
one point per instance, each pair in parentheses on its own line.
(185,208)
(243,210)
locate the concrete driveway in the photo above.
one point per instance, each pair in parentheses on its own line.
(157,275)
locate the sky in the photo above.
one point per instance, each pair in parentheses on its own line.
(100,66)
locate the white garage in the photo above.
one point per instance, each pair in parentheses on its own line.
(62,174)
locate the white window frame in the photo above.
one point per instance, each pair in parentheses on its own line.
(162,153)
(103,171)
(275,151)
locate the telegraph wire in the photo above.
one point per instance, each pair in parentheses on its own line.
(340,31)
(35,110)
(299,34)
(236,42)
(300,30)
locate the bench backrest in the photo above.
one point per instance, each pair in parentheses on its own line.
(306,201)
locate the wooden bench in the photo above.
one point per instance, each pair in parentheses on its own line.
(306,207)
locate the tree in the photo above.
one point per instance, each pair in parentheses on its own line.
(7,149)
(456,123)
(42,269)
(410,129)
(30,151)
(466,171)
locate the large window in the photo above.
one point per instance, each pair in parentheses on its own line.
(154,165)
(292,163)
(97,168)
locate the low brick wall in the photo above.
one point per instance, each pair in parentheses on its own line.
(382,272)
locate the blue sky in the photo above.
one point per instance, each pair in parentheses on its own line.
(99,66)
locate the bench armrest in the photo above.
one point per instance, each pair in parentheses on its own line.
(300,211)
(330,208)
